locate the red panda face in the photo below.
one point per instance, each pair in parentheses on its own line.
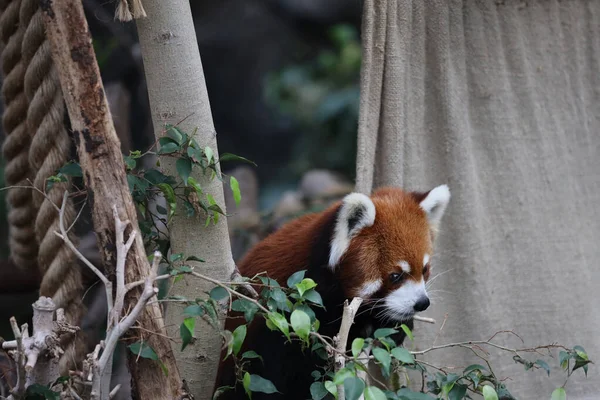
(382,246)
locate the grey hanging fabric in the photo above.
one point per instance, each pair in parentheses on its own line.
(501,101)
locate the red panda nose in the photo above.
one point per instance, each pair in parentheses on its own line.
(422,304)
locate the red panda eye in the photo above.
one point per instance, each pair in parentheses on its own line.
(396,277)
(426,269)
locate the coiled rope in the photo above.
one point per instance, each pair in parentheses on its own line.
(49,151)
(38,141)
(17,172)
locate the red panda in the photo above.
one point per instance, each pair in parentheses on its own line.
(378,248)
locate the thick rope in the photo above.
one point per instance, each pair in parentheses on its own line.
(129,9)
(50,149)
(22,212)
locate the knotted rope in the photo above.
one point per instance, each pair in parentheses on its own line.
(49,151)
(22,212)
(38,141)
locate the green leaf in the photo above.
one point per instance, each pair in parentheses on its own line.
(305,285)
(260,384)
(246,382)
(168,148)
(155,177)
(559,394)
(235,188)
(300,323)
(130,162)
(314,297)
(544,365)
(165,140)
(247,307)
(474,367)
(194,258)
(194,310)
(233,157)
(384,358)
(35,390)
(357,345)
(342,375)
(239,334)
(353,388)
(143,350)
(209,154)
(295,278)
(373,393)
(175,133)
(408,394)
(458,392)
(186,331)
(383,332)
(403,355)
(280,322)
(563,358)
(489,393)
(71,169)
(581,352)
(318,391)
(407,331)
(170,197)
(250,355)
(175,257)
(184,169)
(331,388)
(218,293)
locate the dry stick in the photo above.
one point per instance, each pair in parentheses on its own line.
(42,345)
(424,319)
(20,358)
(101,370)
(341,339)
(103,169)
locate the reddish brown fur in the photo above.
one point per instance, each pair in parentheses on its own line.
(288,250)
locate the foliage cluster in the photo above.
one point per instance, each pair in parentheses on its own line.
(322,95)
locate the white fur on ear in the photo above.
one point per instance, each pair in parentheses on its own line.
(435,204)
(356,212)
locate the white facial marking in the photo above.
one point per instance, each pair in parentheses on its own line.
(354,205)
(405,266)
(370,288)
(435,204)
(401,302)
(425,259)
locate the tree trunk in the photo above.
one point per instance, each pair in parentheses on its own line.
(177,92)
(104,174)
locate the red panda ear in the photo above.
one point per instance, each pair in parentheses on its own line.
(356,212)
(433,203)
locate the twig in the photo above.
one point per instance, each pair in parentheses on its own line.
(236,278)
(65,237)
(113,392)
(341,339)
(441,329)
(20,358)
(470,344)
(230,290)
(424,319)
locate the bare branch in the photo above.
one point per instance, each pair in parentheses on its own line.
(341,339)
(65,237)
(20,355)
(424,319)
